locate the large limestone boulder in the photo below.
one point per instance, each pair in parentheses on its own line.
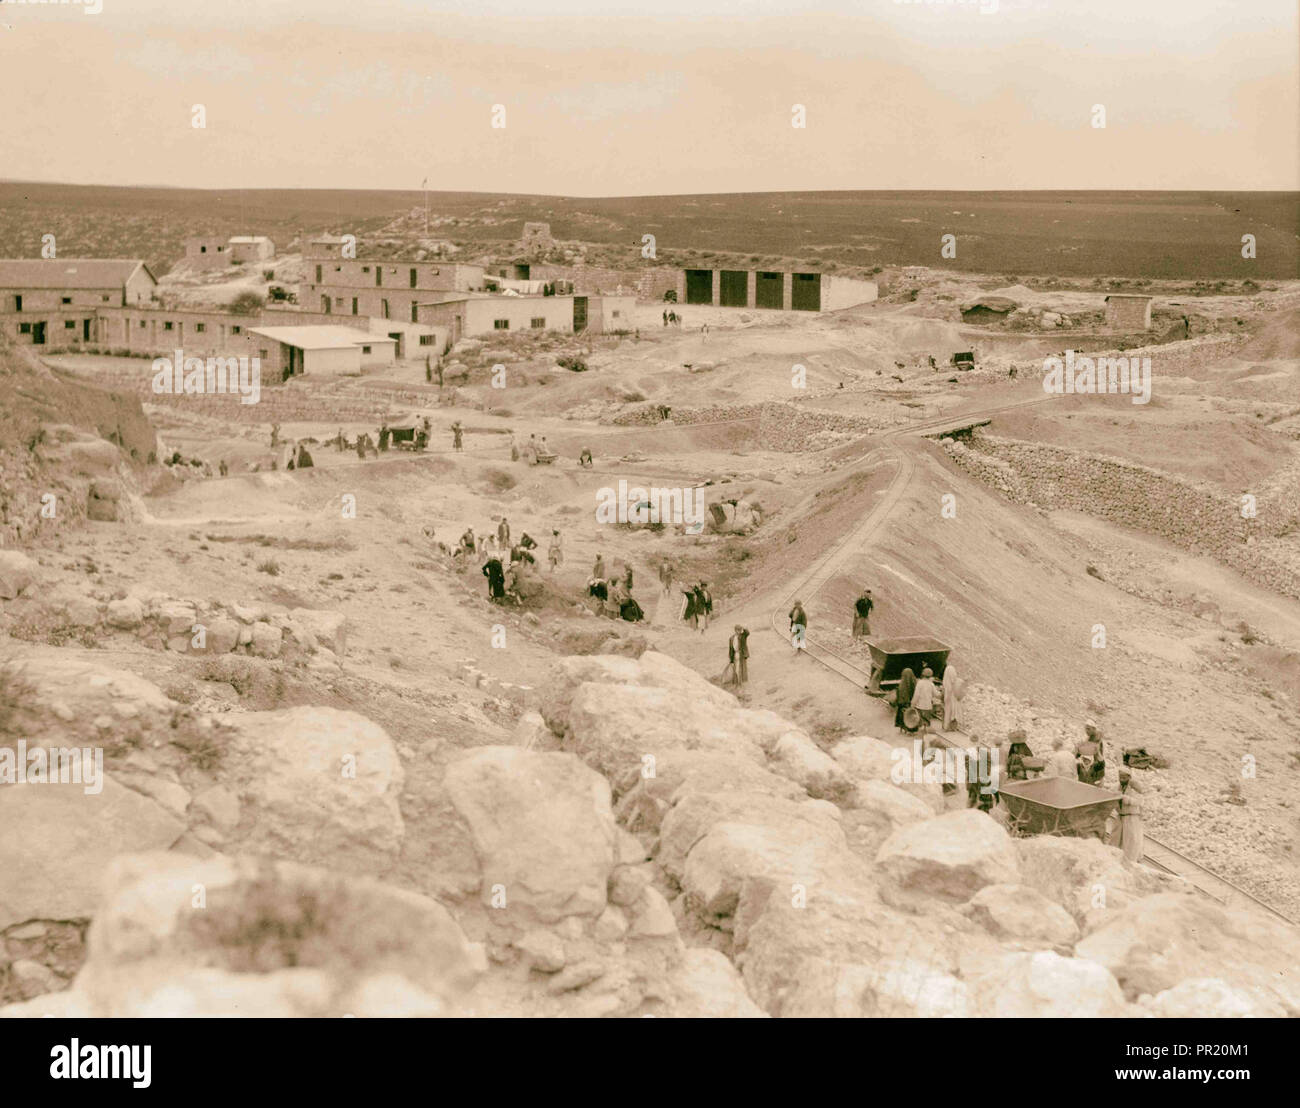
(250,937)
(614,727)
(896,804)
(696,814)
(56,840)
(1016,913)
(865,758)
(838,950)
(542,828)
(800,759)
(794,854)
(1089,879)
(900,988)
(868,759)
(649,791)
(651,670)
(80,699)
(950,857)
(707,986)
(1044,985)
(17,574)
(320,784)
(328,628)
(1208,998)
(1160,941)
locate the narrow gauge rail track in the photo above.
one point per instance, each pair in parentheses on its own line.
(1156,854)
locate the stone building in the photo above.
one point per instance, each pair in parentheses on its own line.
(1128,312)
(251,248)
(48,302)
(536,239)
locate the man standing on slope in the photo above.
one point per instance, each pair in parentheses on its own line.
(798,628)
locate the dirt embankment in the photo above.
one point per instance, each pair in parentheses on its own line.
(57,436)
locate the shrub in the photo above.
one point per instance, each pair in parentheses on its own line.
(270,567)
(247,303)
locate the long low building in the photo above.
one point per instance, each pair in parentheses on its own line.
(54,302)
(773,289)
(321,351)
(466,314)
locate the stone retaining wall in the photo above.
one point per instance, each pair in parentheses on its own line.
(1195,517)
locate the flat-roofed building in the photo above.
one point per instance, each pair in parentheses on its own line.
(778,290)
(207,252)
(250,248)
(470,314)
(382,289)
(320,350)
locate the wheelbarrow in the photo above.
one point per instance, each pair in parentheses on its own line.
(889,657)
(1058,806)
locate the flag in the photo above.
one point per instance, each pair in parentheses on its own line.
(425,183)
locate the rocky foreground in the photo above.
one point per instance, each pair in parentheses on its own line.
(646,847)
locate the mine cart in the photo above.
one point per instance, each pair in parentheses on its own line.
(889,657)
(964,360)
(403,435)
(1058,806)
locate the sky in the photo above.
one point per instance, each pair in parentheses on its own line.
(675,96)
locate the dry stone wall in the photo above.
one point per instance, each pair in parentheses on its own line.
(1195,517)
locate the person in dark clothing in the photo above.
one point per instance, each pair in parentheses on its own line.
(627,578)
(496,580)
(584,459)
(862,614)
(798,627)
(457,442)
(304,458)
(903,697)
(703,604)
(597,588)
(690,607)
(384,435)
(630,610)
(503,532)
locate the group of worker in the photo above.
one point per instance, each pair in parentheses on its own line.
(1085,761)
(697,605)
(614,593)
(919,702)
(367,446)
